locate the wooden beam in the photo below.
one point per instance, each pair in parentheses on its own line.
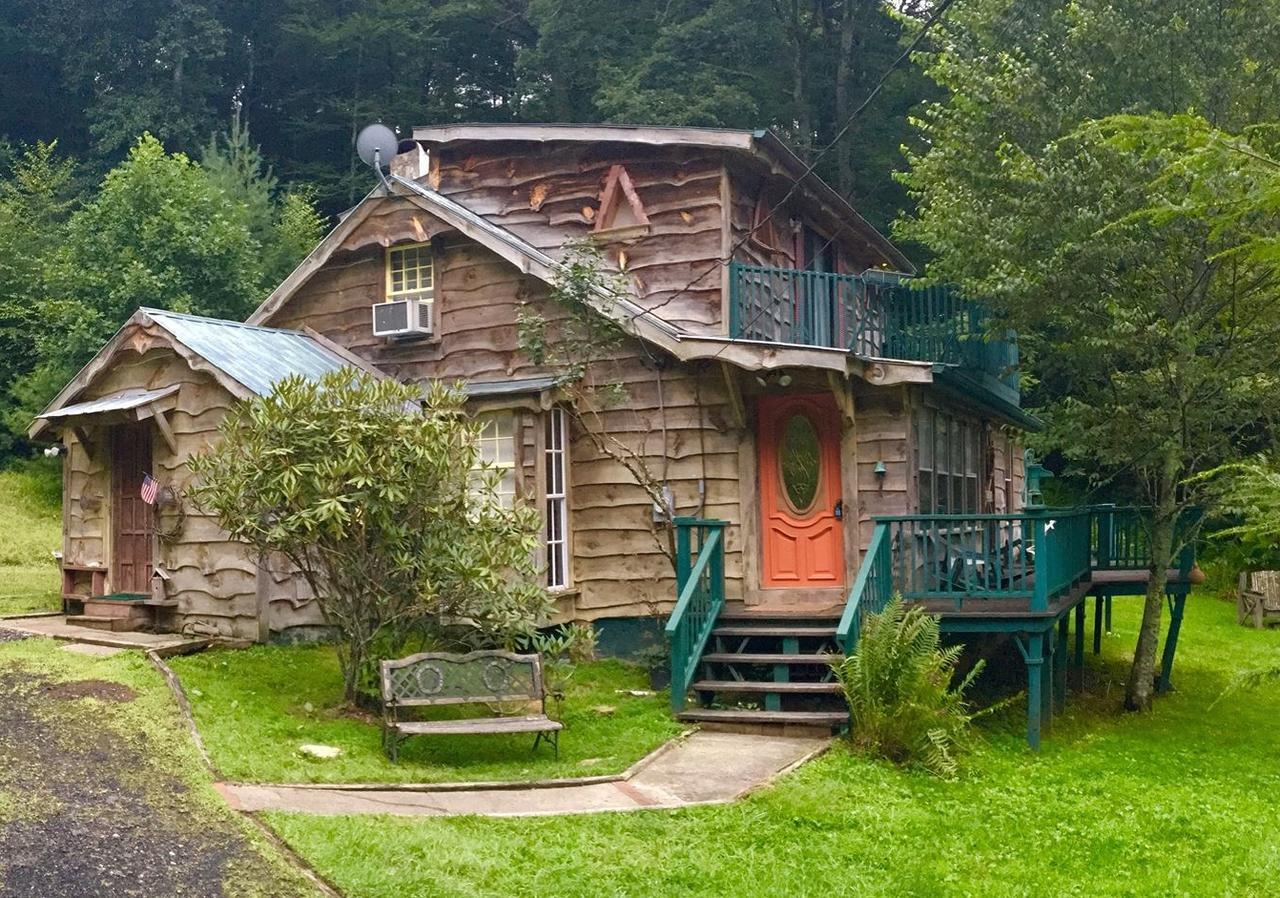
(844,399)
(82,437)
(736,404)
(166,431)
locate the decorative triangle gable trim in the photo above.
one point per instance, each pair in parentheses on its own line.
(620,205)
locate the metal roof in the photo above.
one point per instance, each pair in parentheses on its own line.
(116,402)
(510,387)
(257,357)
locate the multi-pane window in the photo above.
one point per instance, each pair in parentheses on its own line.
(557,513)
(410,272)
(497,451)
(949,463)
(1011,502)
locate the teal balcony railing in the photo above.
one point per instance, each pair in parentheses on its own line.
(870,315)
(1033,556)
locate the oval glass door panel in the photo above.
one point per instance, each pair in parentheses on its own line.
(800,463)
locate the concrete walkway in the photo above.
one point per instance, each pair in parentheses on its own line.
(55,626)
(705,768)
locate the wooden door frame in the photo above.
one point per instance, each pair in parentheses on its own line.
(113,439)
(832,450)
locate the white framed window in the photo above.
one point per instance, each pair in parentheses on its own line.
(411,273)
(556,463)
(497,450)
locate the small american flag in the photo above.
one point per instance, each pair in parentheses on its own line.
(149,489)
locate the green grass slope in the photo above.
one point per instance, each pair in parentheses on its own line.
(1178,802)
(30,531)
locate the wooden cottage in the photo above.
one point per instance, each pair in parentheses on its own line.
(785,386)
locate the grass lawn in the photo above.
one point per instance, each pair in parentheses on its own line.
(255,707)
(1182,802)
(30,503)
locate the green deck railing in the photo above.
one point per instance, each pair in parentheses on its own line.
(700,596)
(871,315)
(1034,556)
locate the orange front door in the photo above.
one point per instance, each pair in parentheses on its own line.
(799,438)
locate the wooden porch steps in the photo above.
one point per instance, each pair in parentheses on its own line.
(816,632)
(737,658)
(768,669)
(802,718)
(829,687)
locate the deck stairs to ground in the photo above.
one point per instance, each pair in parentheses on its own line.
(769,669)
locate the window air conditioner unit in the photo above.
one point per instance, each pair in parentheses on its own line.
(402,318)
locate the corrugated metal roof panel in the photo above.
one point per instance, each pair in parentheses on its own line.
(510,387)
(116,402)
(257,357)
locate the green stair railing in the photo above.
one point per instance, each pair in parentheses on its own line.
(700,596)
(871,590)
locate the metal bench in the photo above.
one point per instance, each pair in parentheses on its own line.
(429,680)
(1259,596)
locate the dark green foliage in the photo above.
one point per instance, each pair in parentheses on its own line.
(375,502)
(898,684)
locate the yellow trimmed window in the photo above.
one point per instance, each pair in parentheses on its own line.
(410,272)
(498,451)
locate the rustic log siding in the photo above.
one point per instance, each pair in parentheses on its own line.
(616,566)
(213,579)
(883,433)
(551,194)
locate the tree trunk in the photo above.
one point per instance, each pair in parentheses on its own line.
(844,71)
(1141,685)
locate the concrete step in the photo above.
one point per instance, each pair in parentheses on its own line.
(103,622)
(790,688)
(737,716)
(770,658)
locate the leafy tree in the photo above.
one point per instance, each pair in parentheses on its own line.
(375,503)
(159,233)
(898,685)
(1153,345)
(285,223)
(35,200)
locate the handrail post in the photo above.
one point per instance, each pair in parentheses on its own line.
(684,560)
(1106,515)
(1040,595)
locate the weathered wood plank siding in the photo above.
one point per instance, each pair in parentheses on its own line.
(213,579)
(617,566)
(551,194)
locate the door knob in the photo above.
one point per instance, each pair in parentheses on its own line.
(838,511)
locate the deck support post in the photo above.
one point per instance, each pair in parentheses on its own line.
(1077,662)
(1176,603)
(1032,647)
(1108,613)
(1060,666)
(1097,624)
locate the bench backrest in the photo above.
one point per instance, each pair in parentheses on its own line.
(1265,584)
(442,678)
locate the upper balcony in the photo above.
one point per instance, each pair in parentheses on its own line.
(875,316)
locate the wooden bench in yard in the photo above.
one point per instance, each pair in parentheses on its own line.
(429,680)
(1259,596)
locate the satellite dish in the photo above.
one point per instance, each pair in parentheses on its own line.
(376,146)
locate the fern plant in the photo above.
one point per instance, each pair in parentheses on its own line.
(898,683)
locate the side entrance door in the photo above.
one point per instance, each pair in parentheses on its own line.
(799,455)
(131,518)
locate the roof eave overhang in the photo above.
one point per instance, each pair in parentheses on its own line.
(104,356)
